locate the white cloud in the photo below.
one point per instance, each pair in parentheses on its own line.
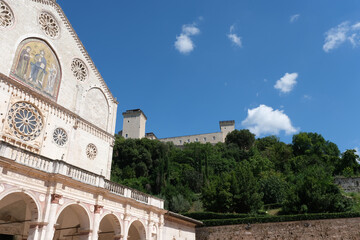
(234,38)
(294,18)
(336,36)
(286,83)
(356,26)
(265,120)
(184,43)
(340,34)
(190,30)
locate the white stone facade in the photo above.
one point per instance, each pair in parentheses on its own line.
(57,120)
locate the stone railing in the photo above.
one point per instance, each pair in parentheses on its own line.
(41,163)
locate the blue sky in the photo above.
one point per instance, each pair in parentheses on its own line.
(276,67)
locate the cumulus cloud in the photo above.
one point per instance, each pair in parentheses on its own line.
(286,83)
(294,18)
(234,38)
(265,120)
(344,32)
(184,44)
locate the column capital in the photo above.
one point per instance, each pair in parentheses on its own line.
(55,198)
(97,209)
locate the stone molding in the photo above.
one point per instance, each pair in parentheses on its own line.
(43,103)
(55,198)
(97,209)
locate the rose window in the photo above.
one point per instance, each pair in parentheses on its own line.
(49,25)
(91,151)
(79,69)
(6,15)
(25,121)
(60,136)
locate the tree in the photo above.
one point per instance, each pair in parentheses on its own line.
(313,191)
(244,139)
(348,163)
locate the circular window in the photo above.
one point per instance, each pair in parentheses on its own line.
(6,15)
(49,25)
(79,69)
(60,136)
(25,121)
(91,151)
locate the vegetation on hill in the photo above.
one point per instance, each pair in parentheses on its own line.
(238,176)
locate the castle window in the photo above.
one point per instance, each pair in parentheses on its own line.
(204,139)
(188,140)
(196,139)
(180,141)
(126,135)
(214,138)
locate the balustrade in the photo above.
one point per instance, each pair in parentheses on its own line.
(41,163)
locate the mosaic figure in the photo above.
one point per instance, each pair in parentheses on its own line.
(23,63)
(37,66)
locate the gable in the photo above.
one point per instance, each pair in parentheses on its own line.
(66,73)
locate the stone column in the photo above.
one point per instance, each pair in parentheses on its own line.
(126,227)
(97,213)
(34,232)
(50,228)
(149,230)
(160,228)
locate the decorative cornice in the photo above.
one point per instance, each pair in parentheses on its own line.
(55,198)
(79,44)
(54,108)
(97,209)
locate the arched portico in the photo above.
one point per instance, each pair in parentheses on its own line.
(109,228)
(18,210)
(73,223)
(136,231)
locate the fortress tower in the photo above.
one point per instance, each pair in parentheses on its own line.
(134,127)
(134,124)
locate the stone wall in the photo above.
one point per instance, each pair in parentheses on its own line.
(346,228)
(351,184)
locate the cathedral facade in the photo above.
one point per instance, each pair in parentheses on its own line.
(57,124)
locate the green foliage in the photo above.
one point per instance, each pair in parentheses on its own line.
(313,191)
(244,139)
(273,186)
(212,215)
(238,176)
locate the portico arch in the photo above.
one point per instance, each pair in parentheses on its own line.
(109,228)
(137,231)
(73,223)
(18,210)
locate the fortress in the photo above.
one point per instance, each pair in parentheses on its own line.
(57,124)
(134,127)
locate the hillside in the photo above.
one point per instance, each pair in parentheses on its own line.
(242,175)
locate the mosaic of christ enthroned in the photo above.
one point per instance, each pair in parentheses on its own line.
(37,66)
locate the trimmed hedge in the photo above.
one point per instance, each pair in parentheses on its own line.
(211,215)
(280,218)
